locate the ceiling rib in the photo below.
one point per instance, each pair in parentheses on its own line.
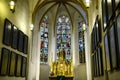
(72,3)
(56,19)
(80,4)
(46,13)
(38,7)
(77,11)
(69,15)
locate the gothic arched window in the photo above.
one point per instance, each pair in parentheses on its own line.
(63,36)
(44,40)
(81,42)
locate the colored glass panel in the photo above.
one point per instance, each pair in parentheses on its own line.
(63,36)
(44,41)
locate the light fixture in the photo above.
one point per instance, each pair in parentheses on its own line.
(84,27)
(12,6)
(87,3)
(31,27)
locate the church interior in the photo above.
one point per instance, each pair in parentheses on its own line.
(59,40)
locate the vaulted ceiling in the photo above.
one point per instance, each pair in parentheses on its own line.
(57,7)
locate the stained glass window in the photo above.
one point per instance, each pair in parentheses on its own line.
(81,42)
(44,40)
(63,36)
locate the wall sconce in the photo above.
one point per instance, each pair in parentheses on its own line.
(87,3)
(12,6)
(84,27)
(31,27)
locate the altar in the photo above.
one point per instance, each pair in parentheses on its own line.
(61,69)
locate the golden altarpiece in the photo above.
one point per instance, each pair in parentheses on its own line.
(62,67)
